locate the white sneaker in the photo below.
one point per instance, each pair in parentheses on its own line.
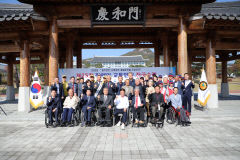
(123,126)
(119,123)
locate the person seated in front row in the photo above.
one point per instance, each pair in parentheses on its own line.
(105,102)
(176,101)
(156,100)
(138,103)
(122,105)
(88,103)
(53,105)
(69,106)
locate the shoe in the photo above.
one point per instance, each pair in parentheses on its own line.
(83,124)
(119,123)
(136,121)
(123,126)
(108,125)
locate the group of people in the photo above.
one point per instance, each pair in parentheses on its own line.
(150,94)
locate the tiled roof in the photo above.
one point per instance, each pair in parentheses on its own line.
(101,59)
(223,10)
(16,12)
(216,10)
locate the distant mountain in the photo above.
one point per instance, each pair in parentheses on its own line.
(145,52)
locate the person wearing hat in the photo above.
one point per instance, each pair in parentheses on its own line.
(65,85)
(171,87)
(53,105)
(171,77)
(92,80)
(160,79)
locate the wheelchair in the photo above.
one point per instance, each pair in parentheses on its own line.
(93,117)
(47,119)
(173,116)
(145,124)
(129,117)
(160,120)
(104,121)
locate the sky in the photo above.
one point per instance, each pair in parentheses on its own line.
(89,53)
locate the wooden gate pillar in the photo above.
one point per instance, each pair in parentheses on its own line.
(224,84)
(211,73)
(24,92)
(182,47)
(79,57)
(156,54)
(53,50)
(10,88)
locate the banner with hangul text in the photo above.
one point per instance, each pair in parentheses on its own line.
(115,72)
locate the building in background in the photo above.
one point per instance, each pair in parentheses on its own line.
(117,61)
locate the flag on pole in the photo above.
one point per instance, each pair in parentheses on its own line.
(203,91)
(36,97)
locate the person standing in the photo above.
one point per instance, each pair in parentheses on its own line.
(73,85)
(188,85)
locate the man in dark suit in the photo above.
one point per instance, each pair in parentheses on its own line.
(88,103)
(53,104)
(111,86)
(59,87)
(98,86)
(139,86)
(179,85)
(131,79)
(119,85)
(60,91)
(187,92)
(156,100)
(73,85)
(105,104)
(138,103)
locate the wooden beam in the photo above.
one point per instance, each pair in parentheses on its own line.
(228,46)
(86,23)
(9,48)
(117,46)
(74,23)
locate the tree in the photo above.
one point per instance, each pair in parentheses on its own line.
(98,65)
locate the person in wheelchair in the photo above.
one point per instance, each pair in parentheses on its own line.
(105,104)
(122,105)
(176,101)
(69,106)
(138,104)
(156,100)
(53,106)
(88,105)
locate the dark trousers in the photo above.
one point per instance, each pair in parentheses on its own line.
(183,116)
(155,110)
(50,111)
(118,111)
(106,111)
(87,113)
(187,103)
(136,111)
(67,114)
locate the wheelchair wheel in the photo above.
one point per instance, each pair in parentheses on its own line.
(46,119)
(171,116)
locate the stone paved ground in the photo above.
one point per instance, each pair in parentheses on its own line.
(214,134)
